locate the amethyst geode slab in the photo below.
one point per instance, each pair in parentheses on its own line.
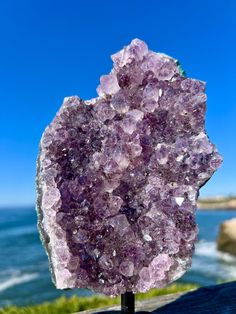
(118,177)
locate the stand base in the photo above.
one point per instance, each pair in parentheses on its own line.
(119,312)
(127,305)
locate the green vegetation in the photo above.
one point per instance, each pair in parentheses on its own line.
(75,304)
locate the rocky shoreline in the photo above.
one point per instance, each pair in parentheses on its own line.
(226,241)
(228,203)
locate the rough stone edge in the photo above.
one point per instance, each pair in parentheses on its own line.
(42,233)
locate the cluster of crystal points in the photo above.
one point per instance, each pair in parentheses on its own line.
(118,177)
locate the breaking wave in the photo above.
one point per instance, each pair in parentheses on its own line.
(209,262)
(17,279)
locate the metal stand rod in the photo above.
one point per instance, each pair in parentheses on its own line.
(127,303)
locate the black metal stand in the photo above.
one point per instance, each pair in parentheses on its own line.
(127,305)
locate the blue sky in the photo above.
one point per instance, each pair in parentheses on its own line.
(52,49)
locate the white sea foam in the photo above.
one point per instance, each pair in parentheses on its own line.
(209,249)
(16,280)
(209,262)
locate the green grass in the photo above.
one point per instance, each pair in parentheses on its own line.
(75,304)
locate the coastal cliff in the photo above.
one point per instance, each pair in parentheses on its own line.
(217,203)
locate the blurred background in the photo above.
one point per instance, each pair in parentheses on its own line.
(52,49)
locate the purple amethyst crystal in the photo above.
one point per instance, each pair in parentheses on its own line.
(119,175)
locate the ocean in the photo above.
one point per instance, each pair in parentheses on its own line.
(24,274)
